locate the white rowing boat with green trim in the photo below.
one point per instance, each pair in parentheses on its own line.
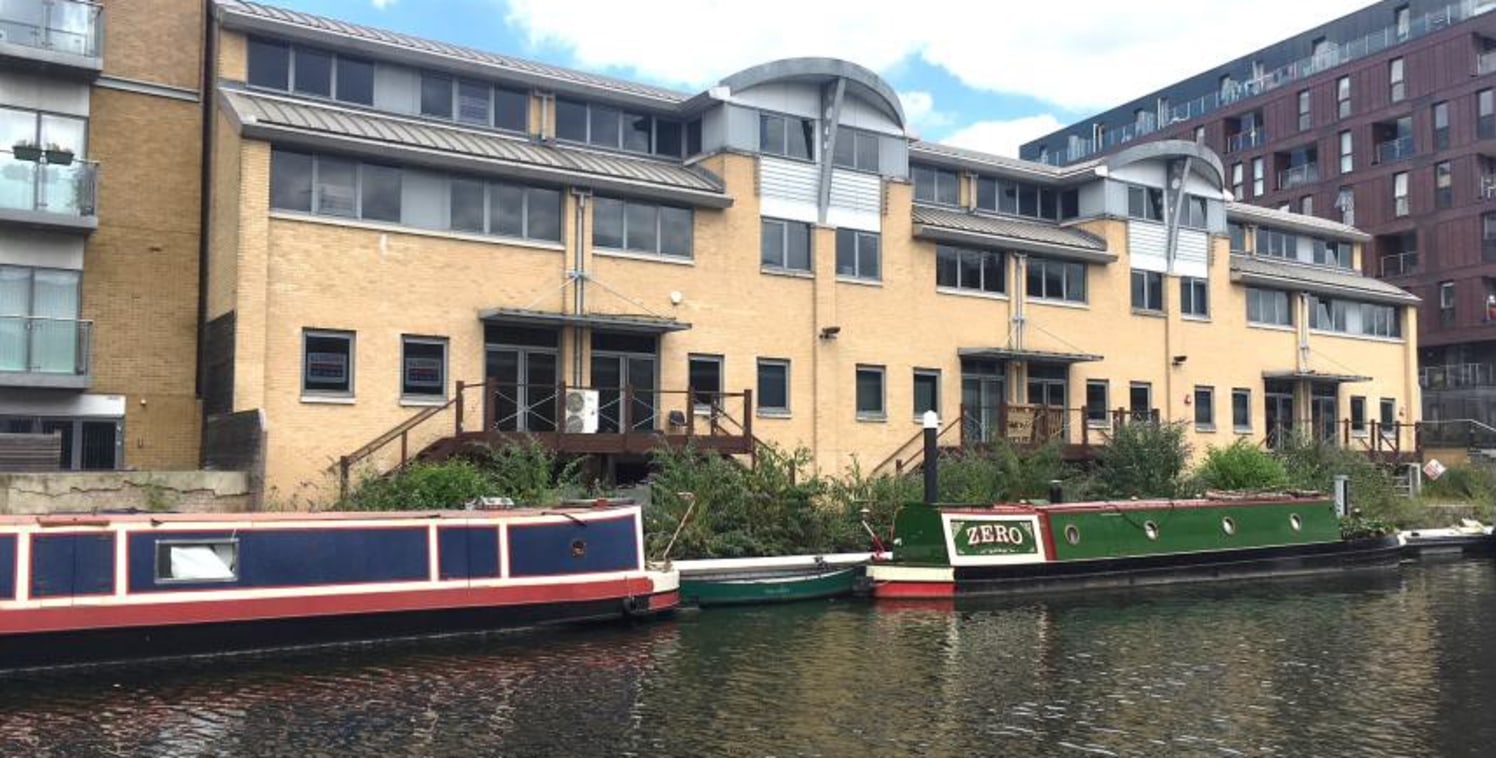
(782,579)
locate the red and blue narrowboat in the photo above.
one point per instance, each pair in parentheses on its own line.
(98,587)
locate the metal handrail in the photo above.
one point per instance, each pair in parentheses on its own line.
(42,176)
(1298,176)
(1395,149)
(48,35)
(80,331)
(1397,264)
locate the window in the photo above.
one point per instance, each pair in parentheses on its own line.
(785,244)
(611,128)
(1488,237)
(1200,134)
(773,387)
(1347,152)
(1258,182)
(926,391)
(1358,414)
(1205,409)
(1441,126)
(1352,317)
(856,149)
(1306,120)
(1388,415)
(269,64)
(1145,203)
(1021,198)
(857,255)
(335,187)
(197,560)
(1194,296)
(1332,253)
(1485,114)
(1400,193)
(1241,409)
(870,393)
(423,368)
(311,72)
(436,95)
(1275,243)
(1147,290)
(641,227)
(1236,181)
(1306,205)
(1051,279)
(474,101)
(1343,96)
(1345,200)
(933,185)
(1446,302)
(693,137)
(308,71)
(1443,185)
(1195,216)
(1140,400)
(786,135)
(1238,234)
(513,210)
(39,327)
(511,110)
(1402,21)
(1097,410)
(704,375)
(327,363)
(379,193)
(973,270)
(1395,79)
(291,181)
(1268,307)
(571,120)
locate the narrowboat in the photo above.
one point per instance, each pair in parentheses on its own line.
(750,581)
(99,587)
(954,551)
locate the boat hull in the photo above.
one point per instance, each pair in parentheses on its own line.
(772,588)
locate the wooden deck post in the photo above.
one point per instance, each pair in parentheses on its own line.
(748,422)
(343,466)
(690,415)
(625,412)
(458,407)
(489,410)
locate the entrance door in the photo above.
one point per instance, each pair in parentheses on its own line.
(525,385)
(612,374)
(1047,395)
(981,403)
(1278,413)
(1323,412)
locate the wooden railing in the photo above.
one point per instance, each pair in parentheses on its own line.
(400,432)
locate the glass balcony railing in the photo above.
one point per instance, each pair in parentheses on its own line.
(1245,140)
(1298,176)
(1458,375)
(36,185)
(64,26)
(1398,264)
(36,345)
(1395,149)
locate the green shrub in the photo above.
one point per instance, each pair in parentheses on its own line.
(1242,465)
(1470,482)
(1143,459)
(529,473)
(421,486)
(1313,465)
(1356,527)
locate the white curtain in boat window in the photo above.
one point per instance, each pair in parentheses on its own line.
(203,562)
(54,329)
(15,305)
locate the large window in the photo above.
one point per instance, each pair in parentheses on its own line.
(773,387)
(423,368)
(1238,235)
(785,244)
(1205,408)
(39,326)
(1351,317)
(308,71)
(641,227)
(1275,243)
(1347,152)
(1345,201)
(858,255)
(327,363)
(1332,253)
(1343,96)
(1237,190)
(936,185)
(1145,203)
(1485,113)
(856,149)
(787,136)
(1259,182)
(1097,411)
(870,397)
(1441,125)
(1051,279)
(1443,185)
(1241,410)
(1306,118)
(1488,237)
(1194,296)
(1024,199)
(972,270)
(704,376)
(926,391)
(1396,80)
(1147,291)
(1195,214)
(1268,307)
(473,102)
(1358,414)
(616,129)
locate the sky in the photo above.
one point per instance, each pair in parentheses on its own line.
(987,76)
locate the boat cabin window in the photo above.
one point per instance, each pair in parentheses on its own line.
(197,560)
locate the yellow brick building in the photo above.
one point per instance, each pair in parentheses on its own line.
(100,212)
(446,244)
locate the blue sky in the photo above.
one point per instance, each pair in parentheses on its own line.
(987,76)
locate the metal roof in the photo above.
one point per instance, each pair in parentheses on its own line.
(1257,214)
(948,225)
(301,121)
(1282,274)
(237,14)
(1315,376)
(611,321)
(974,160)
(1020,354)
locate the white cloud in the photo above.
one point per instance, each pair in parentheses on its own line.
(1003,137)
(1083,54)
(382,4)
(919,111)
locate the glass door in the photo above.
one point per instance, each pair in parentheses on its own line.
(524,388)
(1278,413)
(625,391)
(1323,412)
(981,405)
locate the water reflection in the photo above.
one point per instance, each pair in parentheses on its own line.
(1396,663)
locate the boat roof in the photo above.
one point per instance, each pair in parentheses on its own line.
(365,518)
(1132,505)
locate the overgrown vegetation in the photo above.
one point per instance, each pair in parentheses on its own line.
(1241,465)
(1143,460)
(527,473)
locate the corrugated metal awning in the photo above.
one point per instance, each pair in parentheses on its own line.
(960,228)
(1315,376)
(1031,356)
(614,322)
(1322,280)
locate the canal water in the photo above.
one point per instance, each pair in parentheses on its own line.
(1396,663)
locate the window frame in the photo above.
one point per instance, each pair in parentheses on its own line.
(1066,269)
(936,183)
(783,151)
(1347,147)
(1443,184)
(1306,110)
(406,394)
(1397,80)
(784,229)
(859,239)
(714,395)
(1256,294)
(1145,203)
(856,137)
(988,260)
(350,366)
(772,411)
(1149,285)
(1358,418)
(290,86)
(1204,400)
(881,372)
(1104,417)
(659,229)
(1194,297)
(1402,205)
(1343,101)
(593,112)
(928,374)
(1241,423)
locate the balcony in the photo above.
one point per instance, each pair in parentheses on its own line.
(61,35)
(57,195)
(1298,176)
(1457,376)
(1245,140)
(1395,149)
(1399,264)
(45,352)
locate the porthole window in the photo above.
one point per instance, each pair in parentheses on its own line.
(578,548)
(1228,526)
(1150,529)
(1072,534)
(1295,522)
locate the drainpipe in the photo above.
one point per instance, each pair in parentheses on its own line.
(578,277)
(205,192)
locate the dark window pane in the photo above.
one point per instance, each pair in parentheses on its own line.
(269,64)
(1034,285)
(1096,401)
(436,95)
(467,206)
(607,222)
(640,229)
(986,194)
(868,260)
(636,132)
(1069,204)
(924,183)
(571,120)
(336,180)
(867,152)
(926,392)
(993,275)
(506,210)
(846,252)
(424,369)
(693,137)
(511,110)
(667,138)
(971,269)
(1047,204)
(1204,406)
(604,126)
(355,81)
(1028,200)
(947,267)
(472,102)
(845,153)
(773,386)
(797,251)
(799,135)
(771,243)
(544,215)
(705,378)
(675,231)
(327,364)
(381,193)
(771,134)
(870,391)
(314,72)
(291,181)
(947,190)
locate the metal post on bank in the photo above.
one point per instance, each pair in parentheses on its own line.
(932,457)
(1342,495)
